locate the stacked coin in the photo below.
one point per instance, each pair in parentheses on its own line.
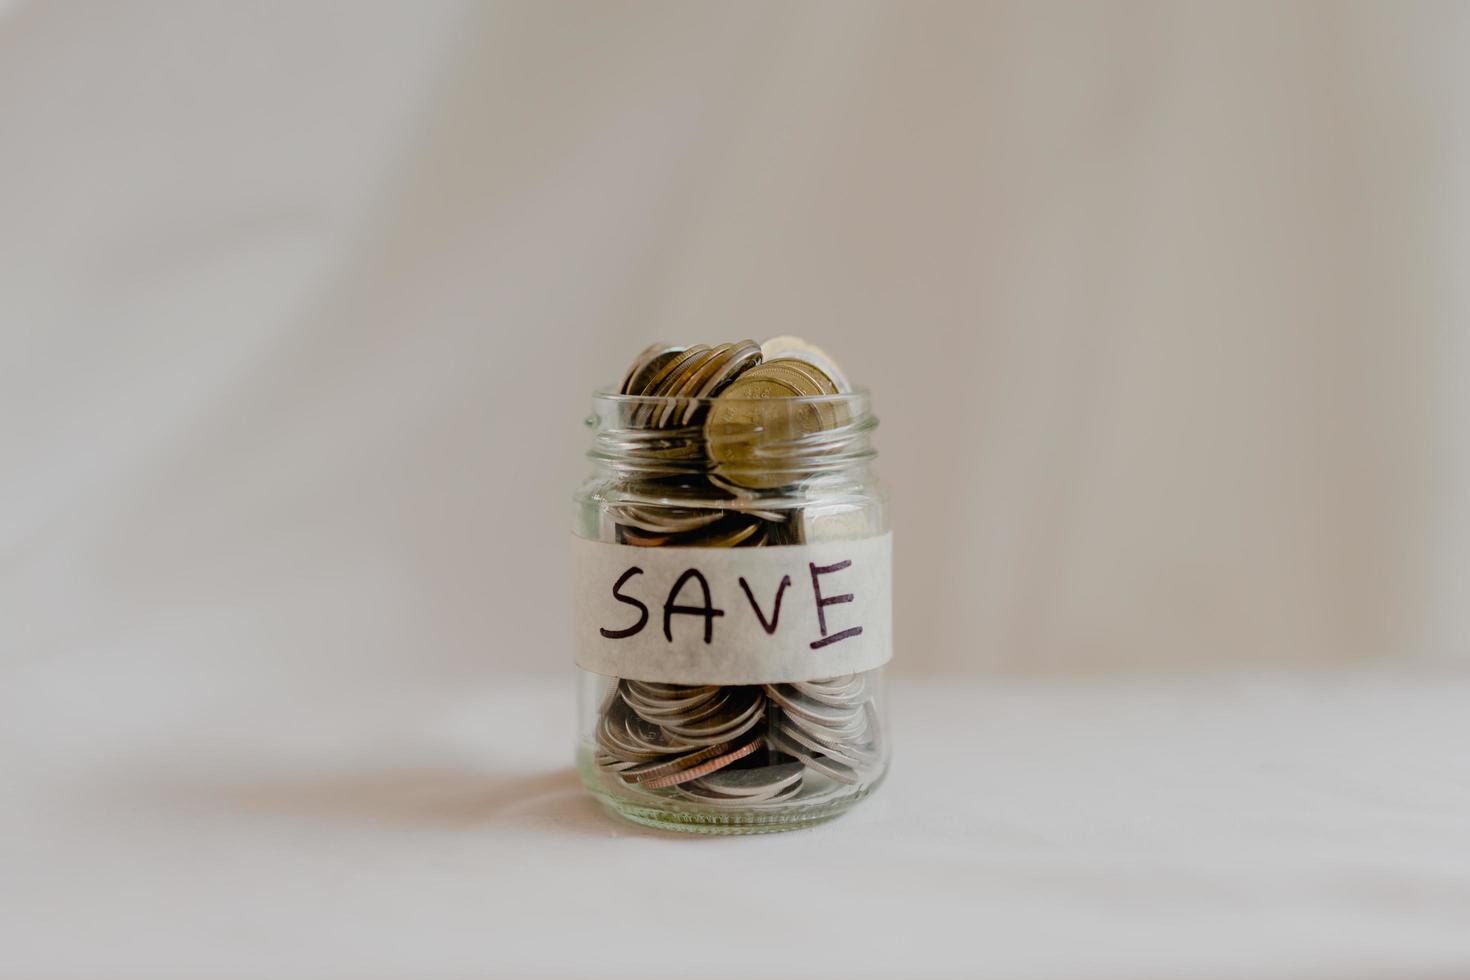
(731,421)
(682,375)
(736,745)
(722,423)
(830,725)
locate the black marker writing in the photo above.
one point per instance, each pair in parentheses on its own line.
(825,601)
(708,611)
(776,612)
(618,595)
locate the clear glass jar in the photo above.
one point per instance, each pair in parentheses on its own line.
(736,688)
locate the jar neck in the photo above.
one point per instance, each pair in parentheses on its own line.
(752,445)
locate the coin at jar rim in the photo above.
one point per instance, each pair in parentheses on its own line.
(796,348)
(661,378)
(668,368)
(683,382)
(755,415)
(687,382)
(711,378)
(835,413)
(807,378)
(645,365)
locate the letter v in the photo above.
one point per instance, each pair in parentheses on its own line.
(776,612)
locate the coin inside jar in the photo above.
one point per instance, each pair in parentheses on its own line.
(787,347)
(756,428)
(733,445)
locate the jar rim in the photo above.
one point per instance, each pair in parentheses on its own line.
(609,395)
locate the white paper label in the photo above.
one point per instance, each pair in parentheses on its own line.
(733,615)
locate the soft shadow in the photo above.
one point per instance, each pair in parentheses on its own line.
(552,801)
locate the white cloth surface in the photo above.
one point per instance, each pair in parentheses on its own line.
(1302,825)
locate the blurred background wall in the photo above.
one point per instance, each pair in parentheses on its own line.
(1164,306)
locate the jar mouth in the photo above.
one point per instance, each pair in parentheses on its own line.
(858,400)
(737,442)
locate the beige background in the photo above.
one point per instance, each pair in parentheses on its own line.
(1163,305)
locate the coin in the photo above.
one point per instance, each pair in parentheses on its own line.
(796,348)
(722,724)
(657,770)
(704,768)
(814,761)
(653,358)
(663,520)
(660,379)
(756,419)
(836,691)
(705,378)
(827,715)
(765,781)
(708,431)
(807,741)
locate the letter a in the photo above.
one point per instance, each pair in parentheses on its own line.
(708,611)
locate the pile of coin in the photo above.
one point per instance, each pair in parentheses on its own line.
(737,745)
(718,425)
(729,423)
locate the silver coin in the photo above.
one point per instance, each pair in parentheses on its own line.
(815,762)
(813,711)
(855,730)
(838,692)
(693,791)
(727,726)
(663,520)
(840,753)
(658,709)
(765,781)
(610,762)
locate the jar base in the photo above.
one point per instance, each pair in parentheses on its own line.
(689,818)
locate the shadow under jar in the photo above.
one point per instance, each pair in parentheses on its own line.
(732,567)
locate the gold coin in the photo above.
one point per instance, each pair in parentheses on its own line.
(741,358)
(755,420)
(689,382)
(668,368)
(800,382)
(661,379)
(798,349)
(833,413)
(816,379)
(654,357)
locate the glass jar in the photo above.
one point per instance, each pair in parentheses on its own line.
(733,611)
